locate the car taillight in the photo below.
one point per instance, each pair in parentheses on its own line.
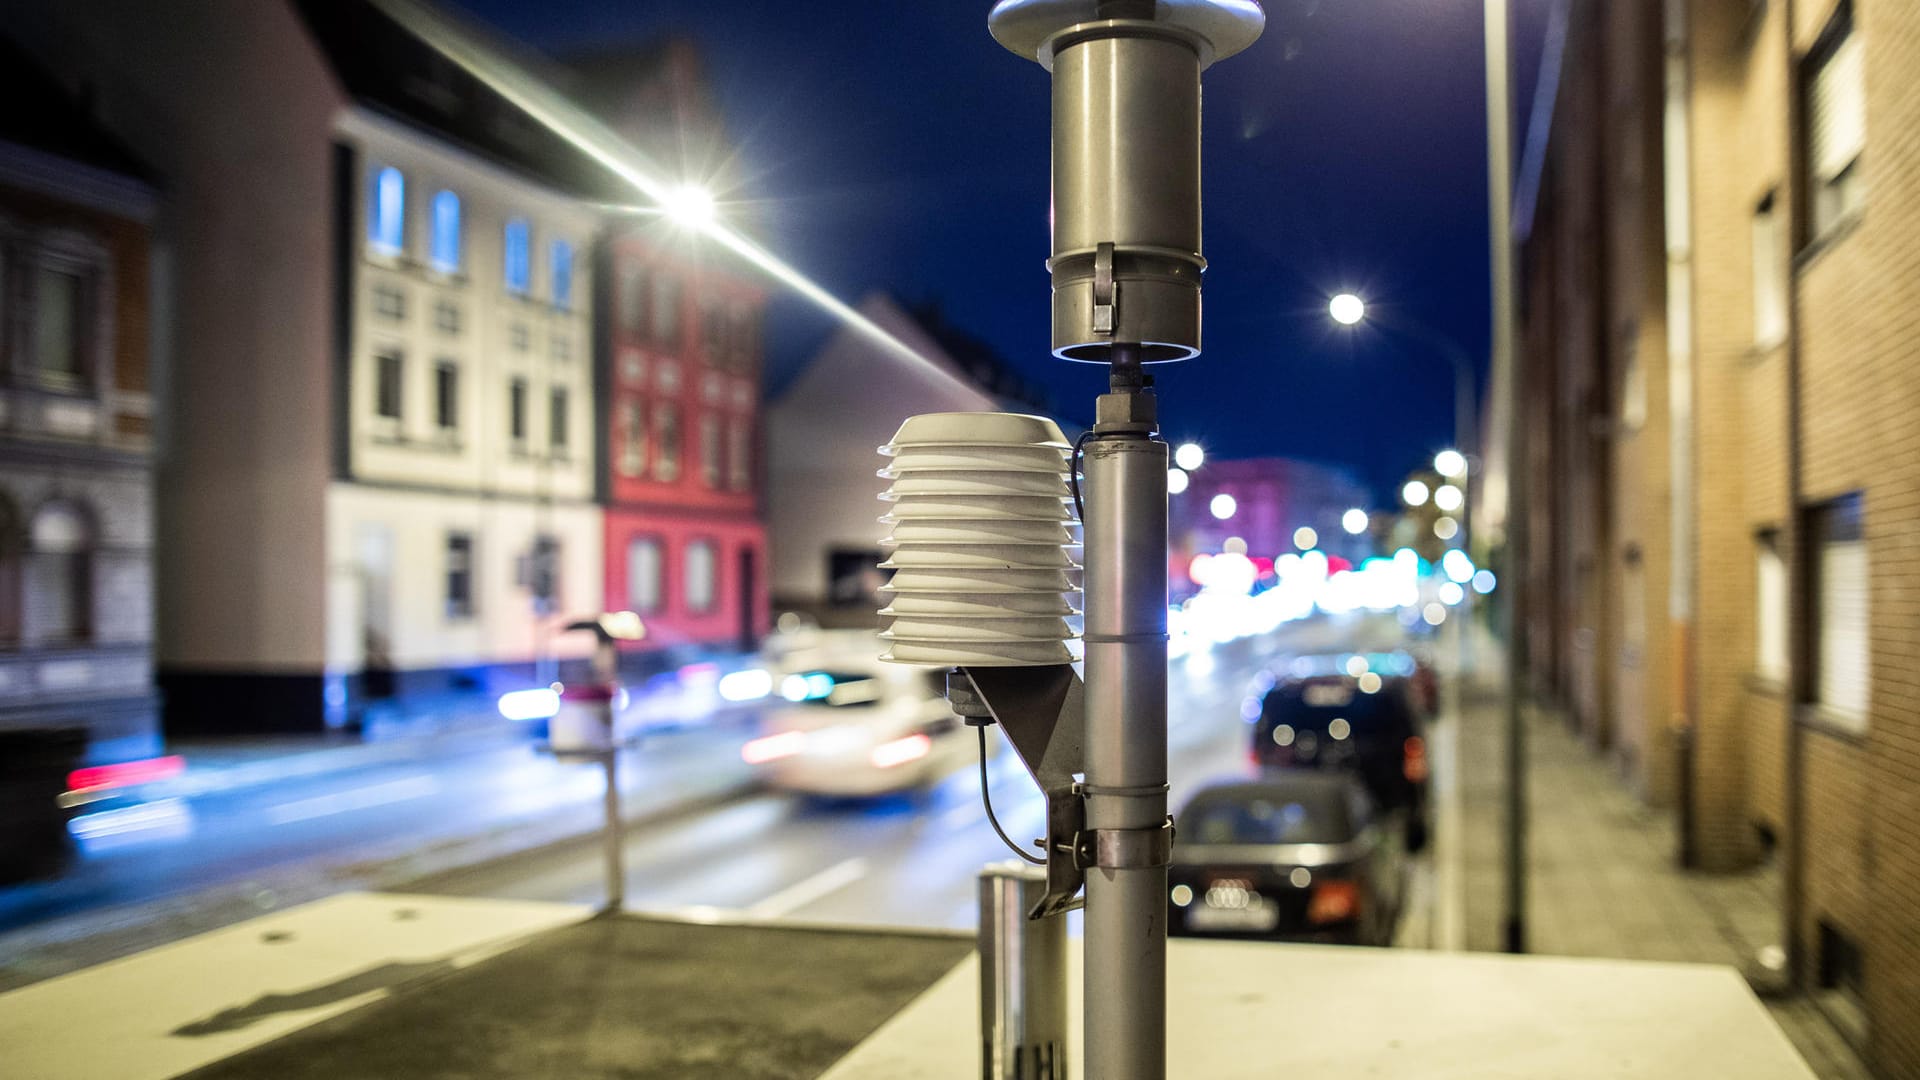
(1416,759)
(1333,901)
(773,747)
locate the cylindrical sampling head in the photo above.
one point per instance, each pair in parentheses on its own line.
(1126,259)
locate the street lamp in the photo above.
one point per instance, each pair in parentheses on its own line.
(1176,481)
(1347,309)
(1450,463)
(690,204)
(1354,521)
(1414,493)
(1223,506)
(1189,456)
(1448,498)
(1305,538)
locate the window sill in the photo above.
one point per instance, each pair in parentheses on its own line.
(1764,686)
(1761,351)
(1841,726)
(1828,240)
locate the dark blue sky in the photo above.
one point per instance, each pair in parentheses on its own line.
(896,147)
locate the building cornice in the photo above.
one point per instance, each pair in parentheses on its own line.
(73,182)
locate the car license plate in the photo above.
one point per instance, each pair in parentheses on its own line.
(1327,695)
(1257,916)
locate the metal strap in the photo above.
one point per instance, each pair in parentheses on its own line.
(1103,291)
(1124,639)
(1122,849)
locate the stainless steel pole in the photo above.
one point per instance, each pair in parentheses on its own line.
(615,835)
(1126,737)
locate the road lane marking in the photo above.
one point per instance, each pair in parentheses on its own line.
(799,895)
(339,802)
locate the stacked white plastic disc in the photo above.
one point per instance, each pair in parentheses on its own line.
(981,520)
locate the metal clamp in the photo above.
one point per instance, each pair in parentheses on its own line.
(1125,849)
(1104,291)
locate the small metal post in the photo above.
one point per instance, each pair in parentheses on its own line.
(1023,978)
(615,834)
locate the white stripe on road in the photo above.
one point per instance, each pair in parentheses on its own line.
(799,895)
(393,791)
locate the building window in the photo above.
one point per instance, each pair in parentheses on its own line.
(633,300)
(666,454)
(519,337)
(715,333)
(854,577)
(746,335)
(389,303)
(446,395)
(517,410)
(666,311)
(59,586)
(557,421)
(1769,275)
(699,566)
(59,333)
(1770,603)
(519,257)
(446,317)
(1842,641)
(543,573)
(387,216)
(633,438)
(459,575)
(560,266)
(562,348)
(386,384)
(1836,116)
(739,454)
(645,587)
(710,450)
(446,232)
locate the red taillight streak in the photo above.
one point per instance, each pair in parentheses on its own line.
(126,773)
(772,747)
(1416,759)
(900,751)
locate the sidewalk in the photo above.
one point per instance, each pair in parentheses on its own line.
(1603,880)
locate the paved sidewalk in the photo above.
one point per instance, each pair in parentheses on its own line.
(1603,878)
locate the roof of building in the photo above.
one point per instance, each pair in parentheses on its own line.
(56,122)
(978,361)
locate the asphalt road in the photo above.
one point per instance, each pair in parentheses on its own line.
(907,861)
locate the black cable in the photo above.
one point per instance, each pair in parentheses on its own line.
(987,798)
(1073,476)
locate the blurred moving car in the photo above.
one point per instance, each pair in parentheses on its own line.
(842,723)
(1341,713)
(1294,856)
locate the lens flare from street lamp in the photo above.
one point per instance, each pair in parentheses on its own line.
(1347,309)
(1451,464)
(1449,498)
(1414,494)
(690,204)
(1483,582)
(1189,456)
(1176,481)
(1446,528)
(1451,593)
(1354,521)
(1305,538)
(1223,506)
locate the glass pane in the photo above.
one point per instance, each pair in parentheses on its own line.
(560,255)
(700,576)
(557,421)
(57,323)
(643,574)
(447,395)
(519,271)
(446,232)
(386,223)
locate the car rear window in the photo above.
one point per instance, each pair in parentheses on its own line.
(1268,816)
(1316,704)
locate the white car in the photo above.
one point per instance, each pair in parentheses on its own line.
(842,723)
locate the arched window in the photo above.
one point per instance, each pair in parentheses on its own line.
(560,260)
(519,261)
(446,232)
(387,212)
(59,580)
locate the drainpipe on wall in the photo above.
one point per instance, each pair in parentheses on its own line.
(1677,196)
(1799,558)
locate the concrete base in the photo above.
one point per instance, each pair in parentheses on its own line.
(1253,1012)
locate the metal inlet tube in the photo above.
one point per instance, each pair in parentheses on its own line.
(1126,753)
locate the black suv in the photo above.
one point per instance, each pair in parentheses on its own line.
(1367,725)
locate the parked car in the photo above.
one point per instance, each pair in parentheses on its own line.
(1296,855)
(842,723)
(1366,723)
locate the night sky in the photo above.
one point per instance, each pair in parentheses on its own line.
(894,146)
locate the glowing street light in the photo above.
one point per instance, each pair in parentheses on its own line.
(1414,494)
(1449,498)
(1189,456)
(1451,464)
(1347,309)
(1305,538)
(1223,506)
(1176,481)
(1354,521)
(690,204)
(1446,528)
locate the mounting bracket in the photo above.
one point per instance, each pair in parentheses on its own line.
(1043,712)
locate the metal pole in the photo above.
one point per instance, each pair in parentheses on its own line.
(615,838)
(1023,961)
(1506,364)
(1126,734)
